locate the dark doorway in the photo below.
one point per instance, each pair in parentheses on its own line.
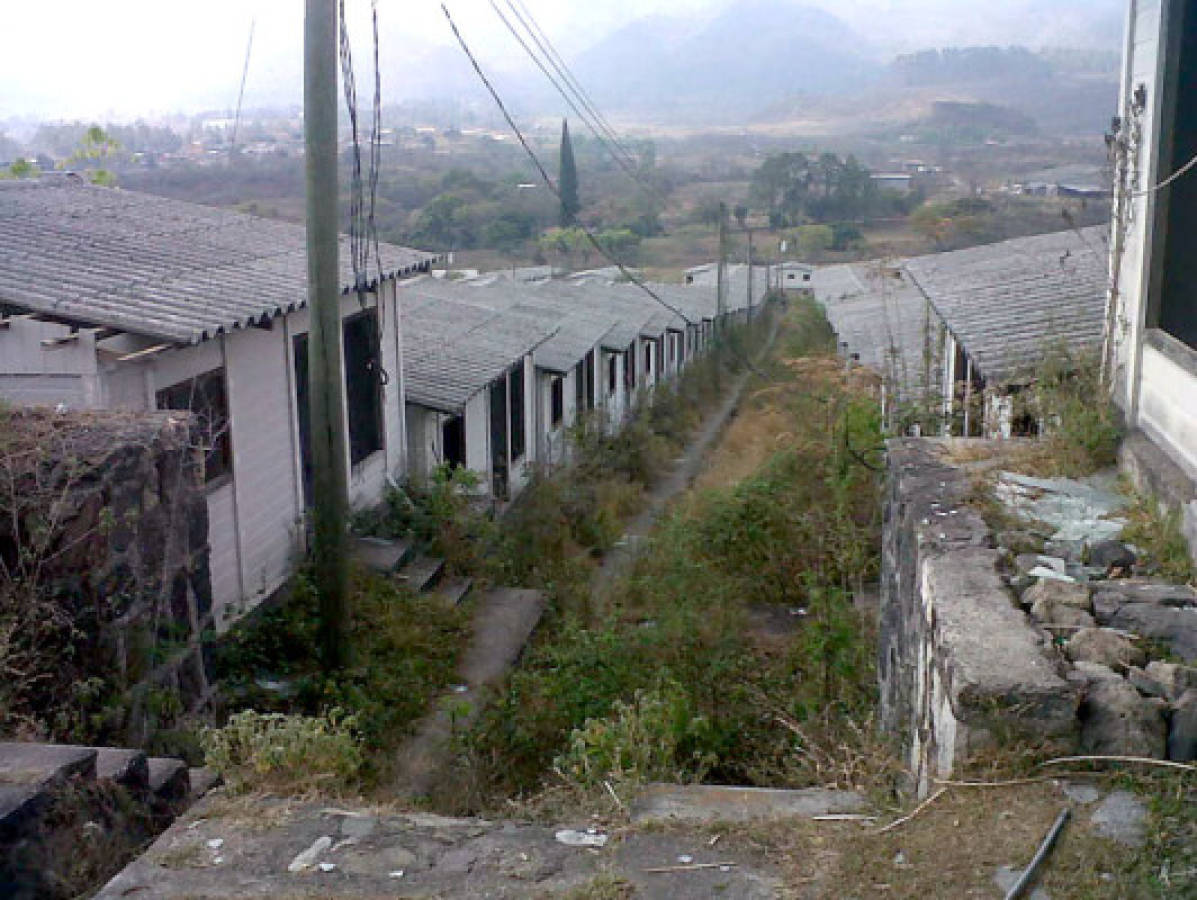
(304,413)
(589,380)
(557,400)
(498,437)
(454,443)
(363,386)
(516,394)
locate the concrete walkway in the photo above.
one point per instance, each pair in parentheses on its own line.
(685,469)
(503,622)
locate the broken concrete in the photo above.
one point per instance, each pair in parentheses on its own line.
(1121,817)
(716,803)
(1058,593)
(1163,612)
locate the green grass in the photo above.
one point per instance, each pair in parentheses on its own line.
(663,678)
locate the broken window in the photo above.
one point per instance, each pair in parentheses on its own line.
(612,374)
(516,381)
(629,372)
(205,397)
(557,400)
(363,385)
(648,359)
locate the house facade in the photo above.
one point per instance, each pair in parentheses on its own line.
(1152,321)
(121,301)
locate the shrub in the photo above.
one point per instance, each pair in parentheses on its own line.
(288,753)
(655,737)
(1082,426)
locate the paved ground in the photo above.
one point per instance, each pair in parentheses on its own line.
(271,848)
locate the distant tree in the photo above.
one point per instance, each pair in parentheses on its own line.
(780,187)
(21,168)
(94,150)
(741,214)
(567,180)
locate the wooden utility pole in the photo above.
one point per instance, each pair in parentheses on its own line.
(330,490)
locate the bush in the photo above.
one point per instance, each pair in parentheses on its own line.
(1082,427)
(655,737)
(285,753)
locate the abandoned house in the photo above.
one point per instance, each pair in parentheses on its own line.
(1001,310)
(958,336)
(1152,326)
(118,300)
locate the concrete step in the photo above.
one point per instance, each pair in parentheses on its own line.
(421,573)
(452,591)
(127,767)
(169,778)
(382,555)
(717,803)
(37,764)
(202,780)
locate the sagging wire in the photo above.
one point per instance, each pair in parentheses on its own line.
(363,231)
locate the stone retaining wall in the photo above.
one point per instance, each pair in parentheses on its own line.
(961,668)
(111,533)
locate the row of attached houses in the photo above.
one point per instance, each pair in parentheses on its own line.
(117,300)
(957,336)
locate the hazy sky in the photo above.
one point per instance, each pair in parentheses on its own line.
(89,59)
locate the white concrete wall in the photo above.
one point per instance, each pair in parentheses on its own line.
(256,529)
(1156,375)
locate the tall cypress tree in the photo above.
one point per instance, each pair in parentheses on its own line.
(567,180)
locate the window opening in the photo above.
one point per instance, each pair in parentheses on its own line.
(206,398)
(363,385)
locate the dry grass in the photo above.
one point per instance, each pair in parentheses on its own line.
(953,850)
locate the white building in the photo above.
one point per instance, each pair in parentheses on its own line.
(118,300)
(1152,327)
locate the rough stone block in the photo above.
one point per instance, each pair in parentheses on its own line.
(1049,611)
(1059,593)
(1182,734)
(127,767)
(1096,645)
(1116,720)
(1163,612)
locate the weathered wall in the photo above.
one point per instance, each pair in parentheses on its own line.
(110,533)
(961,668)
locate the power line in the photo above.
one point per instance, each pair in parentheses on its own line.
(559,65)
(623,162)
(545,175)
(241,93)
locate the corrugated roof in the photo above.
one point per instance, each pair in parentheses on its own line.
(1008,303)
(153,266)
(453,349)
(881,316)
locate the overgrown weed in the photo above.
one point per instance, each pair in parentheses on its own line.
(1157,533)
(661,679)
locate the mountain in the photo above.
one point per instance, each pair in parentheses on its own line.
(753,53)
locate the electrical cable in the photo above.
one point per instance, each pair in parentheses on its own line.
(625,164)
(559,66)
(241,92)
(1182,171)
(547,178)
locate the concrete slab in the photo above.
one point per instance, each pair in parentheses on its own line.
(213,852)
(381,555)
(127,767)
(716,803)
(421,573)
(18,804)
(22,763)
(452,591)
(1122,817)
(169,778)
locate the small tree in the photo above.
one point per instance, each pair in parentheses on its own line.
(567,180)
